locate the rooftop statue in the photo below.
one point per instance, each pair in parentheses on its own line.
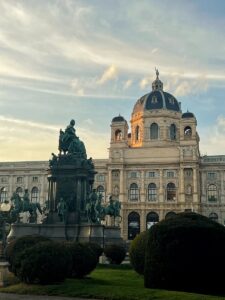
(69,142)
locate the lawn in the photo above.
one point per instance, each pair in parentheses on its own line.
(109,283)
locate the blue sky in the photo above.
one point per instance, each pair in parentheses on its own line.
(91,60)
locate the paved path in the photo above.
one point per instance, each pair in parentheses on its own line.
(6,296)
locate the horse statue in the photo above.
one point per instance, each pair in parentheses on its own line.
(19,206)
(113,209)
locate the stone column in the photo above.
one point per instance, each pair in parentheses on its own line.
(222,196)
(182,195)
(195,185)
(161,189)
(109,182)
(142,189)
(122,192)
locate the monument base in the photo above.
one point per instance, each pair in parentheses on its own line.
(96,233)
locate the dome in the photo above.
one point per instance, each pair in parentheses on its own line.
(118,119)
(157,99)
(187,115)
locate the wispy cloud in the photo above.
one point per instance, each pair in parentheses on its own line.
(109,74)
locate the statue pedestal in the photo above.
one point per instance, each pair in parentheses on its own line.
(3,273)
(96,233)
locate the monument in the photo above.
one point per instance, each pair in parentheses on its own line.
(73,210)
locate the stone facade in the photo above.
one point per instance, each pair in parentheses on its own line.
(155,170)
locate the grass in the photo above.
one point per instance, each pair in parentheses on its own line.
(106,282)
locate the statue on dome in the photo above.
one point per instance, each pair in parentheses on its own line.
(69,142)
(157,73)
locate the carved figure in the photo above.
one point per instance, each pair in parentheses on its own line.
(70,143)
(62,210)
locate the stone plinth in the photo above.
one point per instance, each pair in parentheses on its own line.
(72,232)
(3,273)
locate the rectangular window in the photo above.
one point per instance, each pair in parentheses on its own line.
(19,179)
(35,179)
(133,174)
(151,174)
(100,177)
(4,179)
(170,174)
(211,175)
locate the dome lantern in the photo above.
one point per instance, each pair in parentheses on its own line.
(157,84)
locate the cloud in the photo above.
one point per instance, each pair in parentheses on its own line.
(145,82)
(212,140)
(127,84)
(109,74)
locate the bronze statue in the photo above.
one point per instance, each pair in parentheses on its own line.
(62,210)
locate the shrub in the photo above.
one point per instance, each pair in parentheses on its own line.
(115,253)
(15,247)
(137,252)
(84,259)
(98,250)
(186,253)
(44,263)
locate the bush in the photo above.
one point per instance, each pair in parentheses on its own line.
(186,253)
(84,259)
(98,250)
(15,247)
(44,263)
(137,252)
(115,253)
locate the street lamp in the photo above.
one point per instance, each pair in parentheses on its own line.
(4,215)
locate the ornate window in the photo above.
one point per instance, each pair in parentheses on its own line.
(118,135)
(170,215)
(152,192)
(100,190)
(173,132)
(187,131)
(133,225)
(213,217)
(137,133)
(170,174)
(134,192)
(34,194)
(212,193)
(3,194)
(151,174)
(19,191)
(4,179)
(100,177)
(154,131)
(154,99)
(151,219)
(171,192)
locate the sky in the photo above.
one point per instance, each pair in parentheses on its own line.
(92,60)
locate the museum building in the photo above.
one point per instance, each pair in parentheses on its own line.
(154,169)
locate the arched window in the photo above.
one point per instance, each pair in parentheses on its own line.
(152,193)
(133,225)
(3,194)
(171,192)
(173,132)
(134,192)
(118,135)
(213,217)
(19,191)
(212,192)
(151,219)
(187,131)
(137,133)
(34,194)
(170,215)
(154,131)
(100,190)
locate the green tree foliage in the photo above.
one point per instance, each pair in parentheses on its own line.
(115,253)
(137,252)
(186,253)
